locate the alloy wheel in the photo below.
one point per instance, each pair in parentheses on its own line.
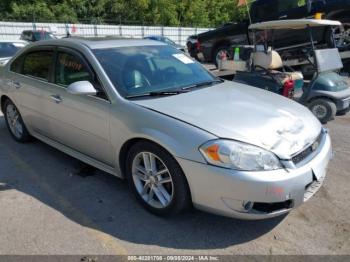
(14,121)
(152,180)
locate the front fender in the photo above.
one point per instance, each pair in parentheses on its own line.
(130,121)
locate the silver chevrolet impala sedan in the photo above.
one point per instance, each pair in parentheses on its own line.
(144,111)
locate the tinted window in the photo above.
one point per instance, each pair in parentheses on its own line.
(285,5)
(264,10)
(16,65)
(142,69)
(38,64)
(70,69)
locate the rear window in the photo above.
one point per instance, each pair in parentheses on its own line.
(38,64)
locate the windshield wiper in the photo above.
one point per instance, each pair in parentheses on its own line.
(202,84)
(158,93)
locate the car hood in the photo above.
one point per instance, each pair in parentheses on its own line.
(236,111)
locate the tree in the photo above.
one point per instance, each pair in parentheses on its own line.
(200,13)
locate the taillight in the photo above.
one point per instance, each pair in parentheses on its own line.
(198,45)
(288,89)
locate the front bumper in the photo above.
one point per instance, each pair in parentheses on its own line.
(256,195)
(343,104)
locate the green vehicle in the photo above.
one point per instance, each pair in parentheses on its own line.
(327,94)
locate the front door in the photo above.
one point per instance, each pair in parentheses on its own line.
(78,121)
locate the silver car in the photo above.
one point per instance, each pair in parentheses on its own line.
(144,111)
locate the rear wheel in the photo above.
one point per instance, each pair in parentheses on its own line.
(15,123)
(324,109)
(157,180)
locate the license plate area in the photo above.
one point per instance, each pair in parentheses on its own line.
(313,187)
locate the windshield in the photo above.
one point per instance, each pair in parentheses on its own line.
(144,69)
(9,49)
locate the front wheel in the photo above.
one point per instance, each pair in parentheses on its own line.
(14,122)
(324,109)
(157,180)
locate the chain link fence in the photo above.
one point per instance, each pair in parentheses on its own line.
(13,30)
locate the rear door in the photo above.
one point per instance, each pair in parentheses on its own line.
(30,74)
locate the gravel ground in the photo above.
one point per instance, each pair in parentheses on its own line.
(46,208)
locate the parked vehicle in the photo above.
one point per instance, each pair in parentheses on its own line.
(213,43)
(8,48)
(144,111)
(326,95)
(166,40)
(36,35)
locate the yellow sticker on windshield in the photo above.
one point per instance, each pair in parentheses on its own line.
(183,58)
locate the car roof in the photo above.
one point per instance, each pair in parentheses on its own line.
(293,24)
(99,42)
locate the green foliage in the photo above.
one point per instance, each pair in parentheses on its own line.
(198,13)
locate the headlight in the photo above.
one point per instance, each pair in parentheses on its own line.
(239,156)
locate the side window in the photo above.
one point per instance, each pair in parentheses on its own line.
(70,69)
(16,65)
(38,64)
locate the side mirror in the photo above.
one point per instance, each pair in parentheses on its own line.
(81,88)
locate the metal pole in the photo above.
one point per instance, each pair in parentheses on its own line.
(313,46)
(250,19)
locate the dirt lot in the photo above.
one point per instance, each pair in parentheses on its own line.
(46,208)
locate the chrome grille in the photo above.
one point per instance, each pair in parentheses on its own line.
(308,151)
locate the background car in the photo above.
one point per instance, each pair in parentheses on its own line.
(166,40)
(33,36)
(211,44)
(8,48)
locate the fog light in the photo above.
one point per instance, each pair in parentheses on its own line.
(238,205)
(248,205)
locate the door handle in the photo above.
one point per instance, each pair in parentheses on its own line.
(15,84)
(283,16)
(56,98)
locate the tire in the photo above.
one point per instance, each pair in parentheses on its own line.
(177,197)
(324,109)
(217,54)
(14,123)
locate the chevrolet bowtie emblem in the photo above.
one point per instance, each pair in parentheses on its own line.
(314,146)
